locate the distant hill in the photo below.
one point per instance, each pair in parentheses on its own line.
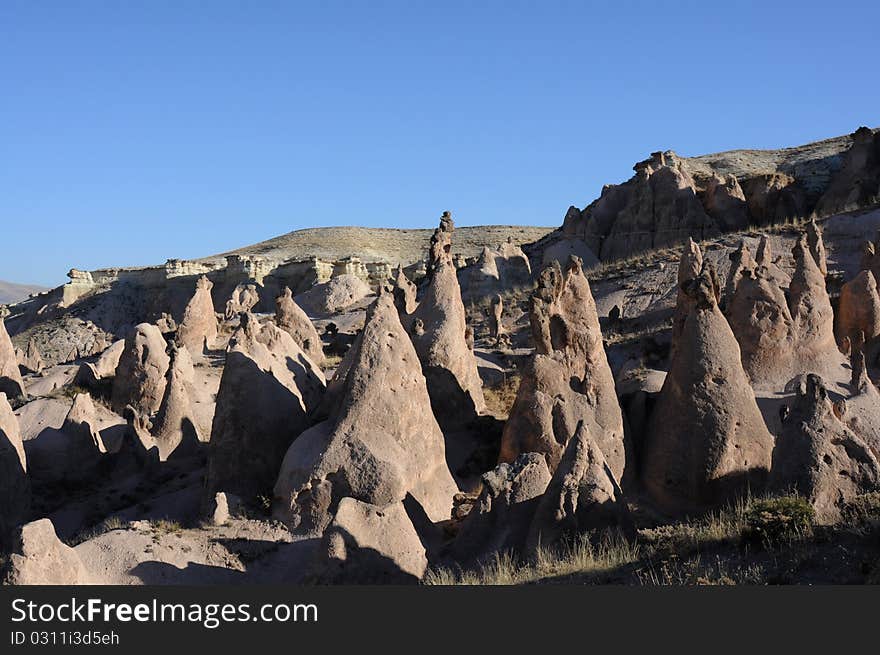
(395,246)
(11,292)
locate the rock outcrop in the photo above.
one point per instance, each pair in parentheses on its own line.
(10,377)
(500,518)
(331,297)
(810,306)
(268,388)
(783,335)
(174,428)
(858,310)
(15,491)
(404,291)
(380,442)
(30,360)
(568,379)
(366,544)
(857,184)
(438,330)
(582,496)
(292,319)
(500,269)
(40,558)
(761,321)
(706,441)
(199,324)
(819,457)
(243,299)
(496,313)
(740,261)
(689,266)
(140,374)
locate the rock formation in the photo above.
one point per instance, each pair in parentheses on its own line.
(371,545)
(243,299)
(499,520)
(568,379)
(706,441)
(783,335)
(817,246)
(10,377)
(810,306)
(583,495)
(819,457)
(725,202)
(500,269)
(404,293)
(292,319)
(199,324)
(334,296)
(40,558)
(857,184)
(689,266)
(496,325)
(140,374)
(740,262)
(30,360)
(174,429)
(15,492)
(762,323)
(90,376)
(438,330)
(858,310)
(380,442)
(269,386)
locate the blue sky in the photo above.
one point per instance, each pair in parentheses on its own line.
(132,132)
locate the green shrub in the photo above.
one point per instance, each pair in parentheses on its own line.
(775,521)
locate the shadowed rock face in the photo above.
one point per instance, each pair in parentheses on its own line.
(199,322)
(568,379)
(740,262)
(857,184)
(30,360)
(583,495)
(268,387)
(502,514)
(706,441)
(438,328)
(292,319)
(367,544)
(10,377)
(380,441)
(818,456)
(174,428)
(140,374)
(15,491)
(858,310)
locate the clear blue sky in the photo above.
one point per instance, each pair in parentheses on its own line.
(131,132)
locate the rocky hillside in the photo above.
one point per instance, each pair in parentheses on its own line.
(383,244)
(671,198)
(11,292)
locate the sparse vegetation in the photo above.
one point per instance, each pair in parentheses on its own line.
(774,521)
(499,398)
(753,541)
(107,525)
(582,557)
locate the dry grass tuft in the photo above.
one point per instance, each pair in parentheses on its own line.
(499,398)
